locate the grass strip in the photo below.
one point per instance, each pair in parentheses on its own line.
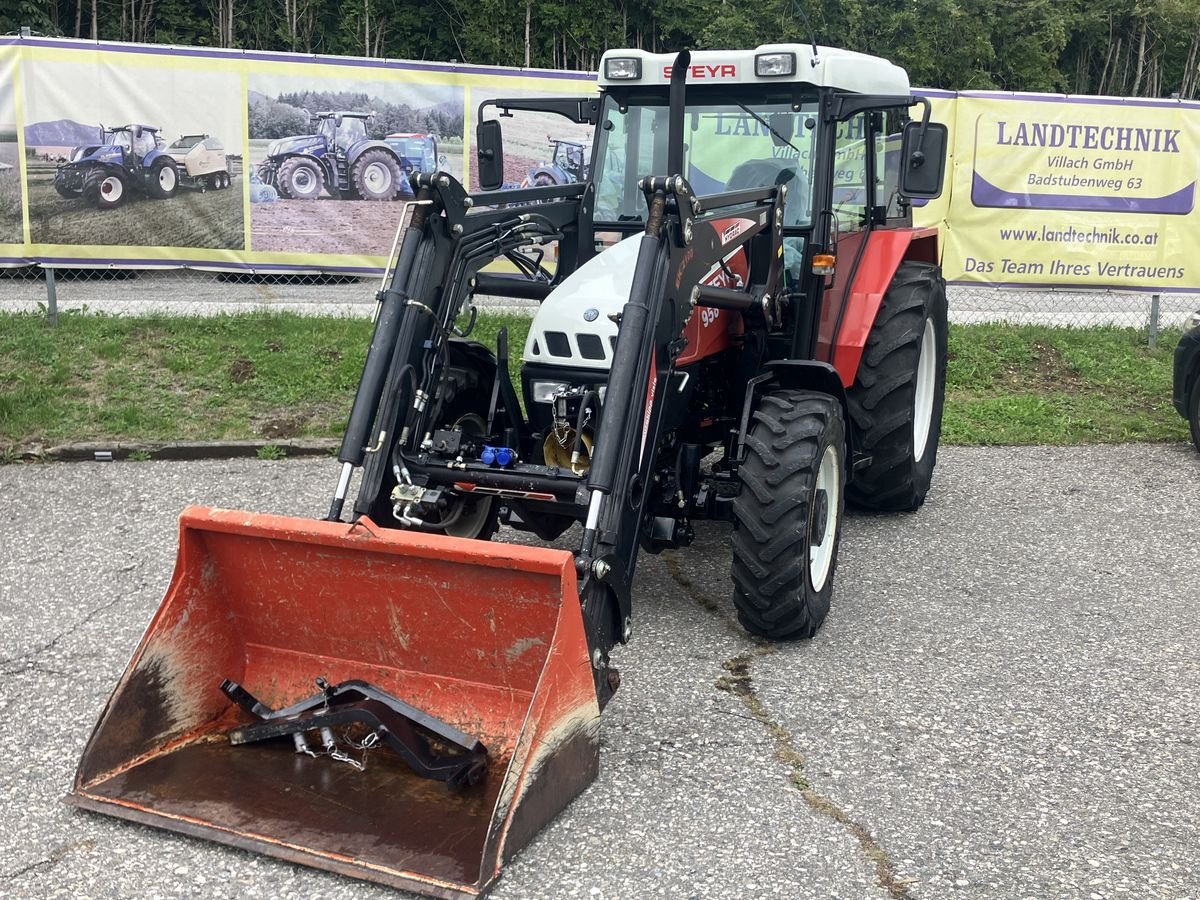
(269,375)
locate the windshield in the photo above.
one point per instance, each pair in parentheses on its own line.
(727,147)
(351,130)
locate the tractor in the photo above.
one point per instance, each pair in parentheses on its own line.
(387,693)
(568,164)
(339,158)
(129,157)
(418,152)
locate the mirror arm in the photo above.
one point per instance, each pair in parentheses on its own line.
(918,155)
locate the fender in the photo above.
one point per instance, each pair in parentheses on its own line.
(812,375)
(554,173)
(885,250)
(149,159)
(357,150)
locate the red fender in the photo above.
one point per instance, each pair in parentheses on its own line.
(885,250)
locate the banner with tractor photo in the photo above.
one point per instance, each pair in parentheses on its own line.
(137,155)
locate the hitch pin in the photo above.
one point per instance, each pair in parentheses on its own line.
(302,744)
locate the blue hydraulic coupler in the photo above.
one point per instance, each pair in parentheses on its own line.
(499,456)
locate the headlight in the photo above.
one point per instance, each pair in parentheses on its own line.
(544,391)
(623,68)
(774,65)
(1193,321)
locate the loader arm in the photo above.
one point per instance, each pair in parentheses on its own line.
(454,235)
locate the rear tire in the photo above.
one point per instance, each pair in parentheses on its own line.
(162,180)
(788,514)
(300,179)
(1194,415)
(377,176)
(896,400)
(106,190)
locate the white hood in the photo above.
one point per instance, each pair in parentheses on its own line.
(597,289)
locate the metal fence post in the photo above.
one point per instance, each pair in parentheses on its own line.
(51,296)
(1154,320)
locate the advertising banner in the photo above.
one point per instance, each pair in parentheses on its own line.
(1074,191)
(141,156)
(138,155)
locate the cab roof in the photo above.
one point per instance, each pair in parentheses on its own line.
(830,67)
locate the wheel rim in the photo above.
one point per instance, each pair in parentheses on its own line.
(166,178)
(823,531)
(303,180)
(377,178)
(925,390)
(111,189)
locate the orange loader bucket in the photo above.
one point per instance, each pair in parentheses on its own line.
(486,638)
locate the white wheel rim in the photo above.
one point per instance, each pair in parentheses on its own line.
(926,388)
(820,555)
(303,180)
(166,178)
(377,178)
(111,188)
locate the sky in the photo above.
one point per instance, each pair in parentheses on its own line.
(177,101)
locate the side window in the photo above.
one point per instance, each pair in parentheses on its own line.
(887,162)
(850,194)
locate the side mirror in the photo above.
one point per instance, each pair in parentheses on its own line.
(489,144)
(782,126)
(923,159)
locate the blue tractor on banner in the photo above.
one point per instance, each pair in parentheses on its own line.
(568,164)
(339,158)
(128,157)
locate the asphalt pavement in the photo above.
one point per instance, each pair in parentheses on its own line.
(1004,702)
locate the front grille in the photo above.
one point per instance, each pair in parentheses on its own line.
(557,343)
(590,346)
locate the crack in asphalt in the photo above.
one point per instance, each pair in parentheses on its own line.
(738,683)
(56,856)
(28,660)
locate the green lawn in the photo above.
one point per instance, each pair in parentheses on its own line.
(280,375)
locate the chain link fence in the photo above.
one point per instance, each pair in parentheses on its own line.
(190,292)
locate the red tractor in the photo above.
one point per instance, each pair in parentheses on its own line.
(766,344)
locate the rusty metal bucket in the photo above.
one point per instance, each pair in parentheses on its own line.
(486,637)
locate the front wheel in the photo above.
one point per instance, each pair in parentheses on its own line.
(788,514)
(300,179)
(897,397)
(162,179)
(105,190)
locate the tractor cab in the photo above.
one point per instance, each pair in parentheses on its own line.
(342,130)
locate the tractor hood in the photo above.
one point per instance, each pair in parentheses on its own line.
(303,143)
(582,304)
(103,153)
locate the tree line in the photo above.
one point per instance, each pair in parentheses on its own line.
(1120,47)
(291,114)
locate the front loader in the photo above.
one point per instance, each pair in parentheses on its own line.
(754,334)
